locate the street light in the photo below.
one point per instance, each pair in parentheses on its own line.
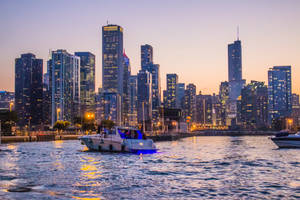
(289,123)
(57,113)
(11,104)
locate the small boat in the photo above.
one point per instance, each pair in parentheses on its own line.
(284,139)
(120,139)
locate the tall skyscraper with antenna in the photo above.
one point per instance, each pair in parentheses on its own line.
(235,79)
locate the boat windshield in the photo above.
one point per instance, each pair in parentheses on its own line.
(131,134)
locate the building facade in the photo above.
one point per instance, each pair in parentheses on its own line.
(7,100)
(224,97)
(148,65)
(29,91)
(254,106)
(235,81)
(189,104)
(112,58)
(172,80)
(87,82)
(144,98)
(279,92)
(64,84)
(133,103)
(180,90)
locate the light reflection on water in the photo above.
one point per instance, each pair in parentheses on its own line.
(195,167)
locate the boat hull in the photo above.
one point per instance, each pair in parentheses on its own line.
(285,142)
(109,145)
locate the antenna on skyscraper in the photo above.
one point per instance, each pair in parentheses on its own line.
(106,22)
(238,33)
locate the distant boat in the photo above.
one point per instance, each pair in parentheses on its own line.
(120,139)
(284,139)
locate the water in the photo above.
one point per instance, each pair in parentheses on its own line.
(191,168)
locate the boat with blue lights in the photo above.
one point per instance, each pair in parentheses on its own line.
(120,139)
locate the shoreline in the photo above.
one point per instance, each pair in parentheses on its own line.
(155,138)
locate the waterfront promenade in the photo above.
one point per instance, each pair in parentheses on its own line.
(159,137)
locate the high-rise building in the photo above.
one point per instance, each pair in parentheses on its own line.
(295,101)
(172,80)
(112,58)
(146,56)
(190,102)
(87,82)
(7,100)
(254,105)
(148,65)
(224,96)
(29,90)
(64,84)
(144,98)
(180,89)
(46,99)
(204,109)
(295,110)
(125,102)
(236,83)
(133,104)
(165,97)
(279,92)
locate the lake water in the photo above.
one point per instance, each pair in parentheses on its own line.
(191,168)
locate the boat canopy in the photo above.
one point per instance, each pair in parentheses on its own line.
(130,133)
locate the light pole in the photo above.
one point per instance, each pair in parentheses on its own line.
(0,132)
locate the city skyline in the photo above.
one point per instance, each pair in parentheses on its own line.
(180,42)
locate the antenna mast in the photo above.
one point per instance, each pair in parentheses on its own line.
(238,33)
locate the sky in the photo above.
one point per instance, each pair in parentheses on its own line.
(189,37)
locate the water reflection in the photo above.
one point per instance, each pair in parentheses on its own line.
(191,168)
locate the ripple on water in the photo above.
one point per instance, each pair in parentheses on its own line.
(201,168)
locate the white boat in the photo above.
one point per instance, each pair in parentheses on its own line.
(120,139)
(286,140)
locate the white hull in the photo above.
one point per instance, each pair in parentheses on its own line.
(115,143)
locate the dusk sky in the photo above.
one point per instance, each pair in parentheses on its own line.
(189,37)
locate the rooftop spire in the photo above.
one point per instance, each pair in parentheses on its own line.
(238,33)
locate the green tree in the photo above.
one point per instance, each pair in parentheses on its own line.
(107,124)
(8,118)
(61,125)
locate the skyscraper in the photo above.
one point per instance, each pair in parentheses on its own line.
(64,84)
(172,80)
(126,76)
(236,82)
(146,56)
(87,82)
(148,65)
(204,109)
(279,92)
(144,97)
(254,105)
(180,88)
(112,58)
(224,96)
(133,104)
(29,90)
(190,102)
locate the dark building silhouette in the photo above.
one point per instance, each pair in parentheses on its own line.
(29,90)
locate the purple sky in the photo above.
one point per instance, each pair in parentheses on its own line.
(189,37)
